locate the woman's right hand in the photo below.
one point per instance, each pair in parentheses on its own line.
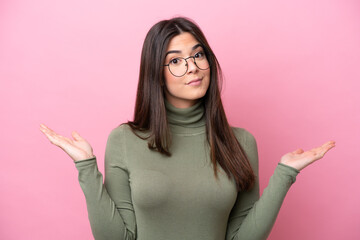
(77,149)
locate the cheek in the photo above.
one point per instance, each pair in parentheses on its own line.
(171,82)
(208,77)
(208,73)
(168,77)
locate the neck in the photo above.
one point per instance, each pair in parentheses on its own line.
(188,120)
(179,103)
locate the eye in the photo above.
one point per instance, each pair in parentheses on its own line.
(175,61)
(199,55)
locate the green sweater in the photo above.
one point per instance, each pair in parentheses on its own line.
(149,196)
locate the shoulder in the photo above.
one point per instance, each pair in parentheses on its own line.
(249,145)
(118,133)
(119,130)
(245,137)
(124,133)
(115,146)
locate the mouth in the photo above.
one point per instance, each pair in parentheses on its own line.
(195,81)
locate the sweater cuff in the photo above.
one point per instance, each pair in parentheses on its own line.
(85,163)
(287,166)
(287,171)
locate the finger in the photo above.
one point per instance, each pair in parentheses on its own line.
(51,133)
(43,128)
(53,139)
(46,129)
(323,147)
(43,131)
(328,144)
(326,149)
(47,132)
(76,136)
(68,140)
(320,151)
(56,138)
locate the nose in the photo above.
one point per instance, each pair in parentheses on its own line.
(191,65)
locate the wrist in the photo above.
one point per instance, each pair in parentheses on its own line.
(88,157)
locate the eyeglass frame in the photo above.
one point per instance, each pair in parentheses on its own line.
(187,65)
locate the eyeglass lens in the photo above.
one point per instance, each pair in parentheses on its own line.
(179,66)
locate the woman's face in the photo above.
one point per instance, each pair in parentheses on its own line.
(184,91)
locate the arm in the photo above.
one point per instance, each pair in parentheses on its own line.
(253,217)
(109,205)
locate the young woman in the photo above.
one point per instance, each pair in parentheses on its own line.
(179,171)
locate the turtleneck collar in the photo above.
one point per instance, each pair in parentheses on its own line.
(189,120)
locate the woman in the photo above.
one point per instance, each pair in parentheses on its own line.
(179,171)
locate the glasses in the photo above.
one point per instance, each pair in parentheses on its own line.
(179,66)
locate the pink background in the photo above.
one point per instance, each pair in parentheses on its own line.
(292,73)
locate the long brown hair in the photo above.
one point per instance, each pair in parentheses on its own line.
(150,112)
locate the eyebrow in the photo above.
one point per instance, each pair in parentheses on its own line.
(178,51)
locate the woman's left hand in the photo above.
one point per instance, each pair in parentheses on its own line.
(299,159)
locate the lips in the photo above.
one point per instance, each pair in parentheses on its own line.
(195,80)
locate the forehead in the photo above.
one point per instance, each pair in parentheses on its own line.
(182,41)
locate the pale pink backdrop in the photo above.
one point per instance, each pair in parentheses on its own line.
(292,73)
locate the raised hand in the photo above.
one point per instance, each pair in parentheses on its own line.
(77,149)
(299,159)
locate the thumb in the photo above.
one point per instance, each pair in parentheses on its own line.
(299,150)
(76,136)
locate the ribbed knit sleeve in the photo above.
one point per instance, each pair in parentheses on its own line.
(109,205)
(252,218)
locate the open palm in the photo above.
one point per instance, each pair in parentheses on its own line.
(299,159)
(77,148)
